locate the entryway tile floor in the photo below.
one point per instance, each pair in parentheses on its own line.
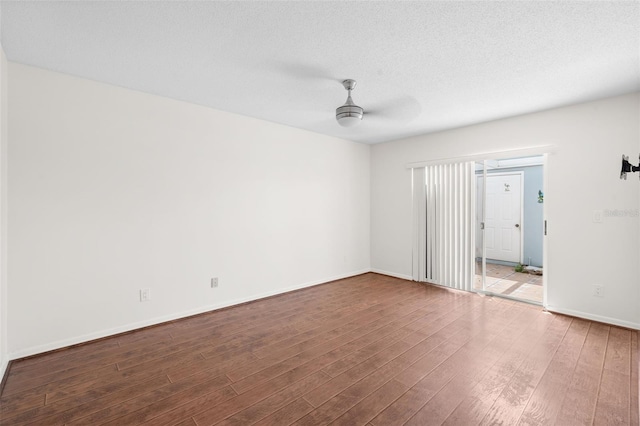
(502,279)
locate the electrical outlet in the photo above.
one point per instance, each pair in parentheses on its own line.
(214,282)
(597,216)
(598,291)
(145,294)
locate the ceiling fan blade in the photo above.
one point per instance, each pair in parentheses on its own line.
(301,71)
(402,108)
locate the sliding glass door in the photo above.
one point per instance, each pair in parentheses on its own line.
(478,226)
(509,228)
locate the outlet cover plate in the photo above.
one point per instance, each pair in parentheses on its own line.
(145,294)
(598,290)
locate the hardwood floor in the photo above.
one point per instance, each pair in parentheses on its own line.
(368,350)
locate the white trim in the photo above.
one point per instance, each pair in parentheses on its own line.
(509,297)
(484,222)
(522,224)
(3,368)
(171,317)
(516,163)
(545,244)
(513,153)
(392,274)
(591,317)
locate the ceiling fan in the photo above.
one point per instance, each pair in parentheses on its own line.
(349,114)
(401,109)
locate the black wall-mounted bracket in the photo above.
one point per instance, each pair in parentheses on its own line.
(628,167)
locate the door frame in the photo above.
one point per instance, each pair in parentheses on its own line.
(546,152)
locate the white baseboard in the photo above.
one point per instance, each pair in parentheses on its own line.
(171,317)
(392,274)
(592,317)
(159,320)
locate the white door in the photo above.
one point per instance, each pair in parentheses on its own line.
(503,217)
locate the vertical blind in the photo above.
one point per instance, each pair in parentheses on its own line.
(443,224)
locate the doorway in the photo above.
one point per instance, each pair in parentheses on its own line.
(510,227)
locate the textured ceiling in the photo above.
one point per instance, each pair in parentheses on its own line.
(420,66)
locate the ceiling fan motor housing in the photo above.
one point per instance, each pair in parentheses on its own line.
(349,114)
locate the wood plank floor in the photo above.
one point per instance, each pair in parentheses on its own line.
(368,350)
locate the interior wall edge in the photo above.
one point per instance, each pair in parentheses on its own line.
(60,344)
(593,317)
(4,357)
(4,373)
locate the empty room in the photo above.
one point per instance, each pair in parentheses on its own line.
(319,212)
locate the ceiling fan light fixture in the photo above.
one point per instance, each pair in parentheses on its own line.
(349,114)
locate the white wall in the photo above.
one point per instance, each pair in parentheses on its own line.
(4,358)
(583,176)
(112,191)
